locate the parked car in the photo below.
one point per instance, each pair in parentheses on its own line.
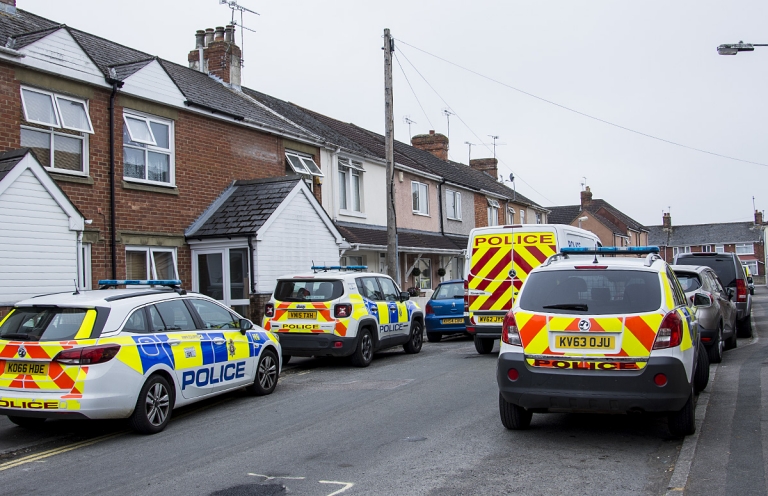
(729,269)
(715,309)
(445,310)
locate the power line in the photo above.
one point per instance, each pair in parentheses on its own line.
(467,126)
(414,94)
(583,114)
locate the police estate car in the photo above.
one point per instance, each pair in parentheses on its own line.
(342,311)
(608,334)
(127,353)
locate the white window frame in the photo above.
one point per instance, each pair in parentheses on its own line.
(680,249)
(422,199)
(225,275)
(752,264)
(51,166)
(350,168)
(706,248)
(310,168)
(493,216)
(345,261)
(522,216)
(418,280)
(151,267)
(719,248)
(171,150)
(743,246)
(456,214)
(55,97)
(85,271)
(510,215)
(539,219)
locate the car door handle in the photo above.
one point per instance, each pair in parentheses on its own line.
(173,342)
(219,340)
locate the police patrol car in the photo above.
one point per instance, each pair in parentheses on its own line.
(609,335)
(342,311)
(127,353)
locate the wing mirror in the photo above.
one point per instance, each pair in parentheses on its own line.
(405,296)
(245,325)
(702,300)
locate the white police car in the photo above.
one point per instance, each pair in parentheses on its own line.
(127,353)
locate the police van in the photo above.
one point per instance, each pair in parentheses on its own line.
(498,261)
(342,311)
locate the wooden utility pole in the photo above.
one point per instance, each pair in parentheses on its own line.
(389,150)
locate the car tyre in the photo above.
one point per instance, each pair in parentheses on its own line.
(153,407)
(731,342)
(266,374)
(434,337)
(514,417)
(744,327)
(683,422)
(26,422)
(363,354)
(416,341)
(715,351)
(286,359)
(484,345)
(701,375)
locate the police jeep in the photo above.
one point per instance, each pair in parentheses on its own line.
(134,353)
(342,311)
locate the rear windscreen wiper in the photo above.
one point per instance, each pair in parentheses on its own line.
(568,306)
(19,336)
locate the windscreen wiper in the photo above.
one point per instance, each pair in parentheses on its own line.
(18,336)
(568,306)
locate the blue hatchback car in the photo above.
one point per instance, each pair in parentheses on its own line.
(444,312)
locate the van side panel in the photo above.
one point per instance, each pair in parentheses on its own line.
(490,287)
(532,249)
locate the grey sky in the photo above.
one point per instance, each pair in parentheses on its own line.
(650,66)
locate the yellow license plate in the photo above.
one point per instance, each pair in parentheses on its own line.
(305,315)
(27,368)
(452,321)
(591,342)
(490,319)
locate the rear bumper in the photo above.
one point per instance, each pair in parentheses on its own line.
(545,389)
(485,331)
(58,405)
(305,345)
(433,323)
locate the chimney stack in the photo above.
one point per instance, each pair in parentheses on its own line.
(586,197)
(666,221)
(436,144)
(217,54)
(8,6)
(488,165)
(758,218)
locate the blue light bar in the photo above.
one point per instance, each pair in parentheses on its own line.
(610,250)
(326,268)
(136,282)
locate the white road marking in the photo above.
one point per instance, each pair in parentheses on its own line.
(346,485)
(270,477)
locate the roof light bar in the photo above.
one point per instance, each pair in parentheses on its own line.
(135,282)
(610,250)
(326,268)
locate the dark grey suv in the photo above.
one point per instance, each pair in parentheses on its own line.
(728,268)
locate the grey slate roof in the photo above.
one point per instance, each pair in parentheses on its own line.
(9,159)
(705,234)
(407,238)
(117,61)
(566,214)
(246,206)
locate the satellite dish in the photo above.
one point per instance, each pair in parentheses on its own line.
(512,177)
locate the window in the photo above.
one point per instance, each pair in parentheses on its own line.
(175,316)
(137,322)
(453,204)
(355,261)
(706,248)
(211,277)
(752,264)
(745,249)
(420,198)
(54,110)
(538,220)
(493,212)
(150,263)
(148,149)
(369,288)
(389,289)
(214,316)
(424,279)
(350,185)
(720,248)
(85,270)
(303,165)
(680,249)
(522,216)
(510,215)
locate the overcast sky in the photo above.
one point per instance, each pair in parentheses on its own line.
(650,66)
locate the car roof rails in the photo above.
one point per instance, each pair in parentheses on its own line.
(174,284)
(326,268)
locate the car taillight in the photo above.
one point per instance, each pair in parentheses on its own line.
(670,331)
(509,332)
(269,310)
(741,290)
(466,295)
(89,355)
(428,309)
(342,310)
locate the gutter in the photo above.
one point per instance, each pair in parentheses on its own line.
(440,204)
(250,264)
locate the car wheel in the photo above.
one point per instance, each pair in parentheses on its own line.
(434,337)
(286,359)
(514,417)
(364,351)
(683,422)
(153,408)
(26,422)
(484,345)
(731,342)
(701,375)
(744,327)
(266,375)
(417,338)
(716,350)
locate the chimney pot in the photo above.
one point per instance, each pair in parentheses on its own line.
(200,39)
(229,33)
(208,36)
(219,34)
(666,220)
(8,6)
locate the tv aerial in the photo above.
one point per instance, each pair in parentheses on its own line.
(234,6)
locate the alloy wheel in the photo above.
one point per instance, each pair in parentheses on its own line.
(158,403)
(367,347)
(267,372)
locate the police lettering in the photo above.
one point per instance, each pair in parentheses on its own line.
(493,240)
(213,375)
(563,364)
(298,327)
(535,239)
(30,404)
(391,327)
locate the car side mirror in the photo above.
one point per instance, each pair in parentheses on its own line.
(245,325)
(405,296)
(701,300)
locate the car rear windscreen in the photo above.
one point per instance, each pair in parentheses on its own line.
(689,282)
(308,290)
(592,292)
(42,324)
(449,291)
(723,266)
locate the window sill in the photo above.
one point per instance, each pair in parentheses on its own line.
(352,213)
(454,219)
(69,178)
(166,190)
(421,214)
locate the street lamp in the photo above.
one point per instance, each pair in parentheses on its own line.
(734,48)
